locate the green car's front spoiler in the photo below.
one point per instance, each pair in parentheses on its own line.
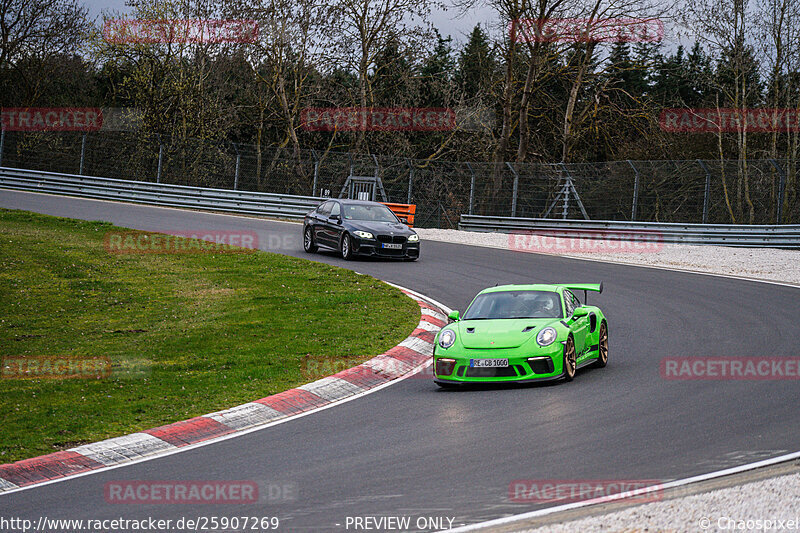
(524,371)
(496,381)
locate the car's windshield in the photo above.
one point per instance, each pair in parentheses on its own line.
(375,213)
(515,304)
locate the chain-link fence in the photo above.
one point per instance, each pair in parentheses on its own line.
(763,191)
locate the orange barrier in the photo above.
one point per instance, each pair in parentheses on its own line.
(405,212)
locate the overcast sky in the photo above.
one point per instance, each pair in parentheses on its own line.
(446,22)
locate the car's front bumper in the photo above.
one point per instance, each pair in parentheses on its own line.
(545,365)
(464,383)
(371,247)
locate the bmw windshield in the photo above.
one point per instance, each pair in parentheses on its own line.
(371,213)
(514,304)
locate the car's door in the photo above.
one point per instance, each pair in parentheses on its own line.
(334,225)
(579,326)
(320,222)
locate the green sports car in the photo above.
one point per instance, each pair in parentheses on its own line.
(521,334)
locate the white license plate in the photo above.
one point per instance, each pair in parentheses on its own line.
(488,363)
(392,246)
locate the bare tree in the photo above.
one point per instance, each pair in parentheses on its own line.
(725,29)
(594,17)
(33,32)
(777,25)
(367,27)
(285,58)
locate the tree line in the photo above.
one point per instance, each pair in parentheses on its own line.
(525,99)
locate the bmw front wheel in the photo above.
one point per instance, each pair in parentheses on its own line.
(346,247)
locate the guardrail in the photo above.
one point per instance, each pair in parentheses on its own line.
(761,236)
(225,200)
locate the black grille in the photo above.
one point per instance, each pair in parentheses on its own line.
(395,239)
(501,372)
(541,366)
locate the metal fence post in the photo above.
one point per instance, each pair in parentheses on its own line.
(83,153)
(410,179)
(2,142)
(160,158)
(781,190)
(516,188)
(635,190)
(316,172)
(707,191)
(236,172)
(471,188)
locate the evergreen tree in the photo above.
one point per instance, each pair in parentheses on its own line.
(436,74)
(476,66)
(392,82)
(627,79)
(738,68)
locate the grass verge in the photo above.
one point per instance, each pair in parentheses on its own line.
(186,334)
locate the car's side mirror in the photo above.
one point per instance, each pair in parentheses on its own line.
(579,312)
(335,219)
(454,316)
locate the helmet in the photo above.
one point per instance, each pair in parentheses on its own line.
(544,305)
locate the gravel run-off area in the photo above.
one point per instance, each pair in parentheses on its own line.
(757,263)
(767,505)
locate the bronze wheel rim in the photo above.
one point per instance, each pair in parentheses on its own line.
(603,343)
(570,359)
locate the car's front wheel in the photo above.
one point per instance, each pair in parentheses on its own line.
(570,360)
(346,247)
(308,241)
(602,346)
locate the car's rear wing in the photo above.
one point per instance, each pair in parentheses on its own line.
(597,287)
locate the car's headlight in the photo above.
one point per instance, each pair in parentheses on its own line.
(364,234)
(447,338)
(547,336)
(413,238)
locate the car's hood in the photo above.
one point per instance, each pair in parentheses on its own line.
(499,333)
(380,227)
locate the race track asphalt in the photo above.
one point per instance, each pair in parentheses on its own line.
(413,450)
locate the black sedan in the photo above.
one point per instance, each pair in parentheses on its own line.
(357,227)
